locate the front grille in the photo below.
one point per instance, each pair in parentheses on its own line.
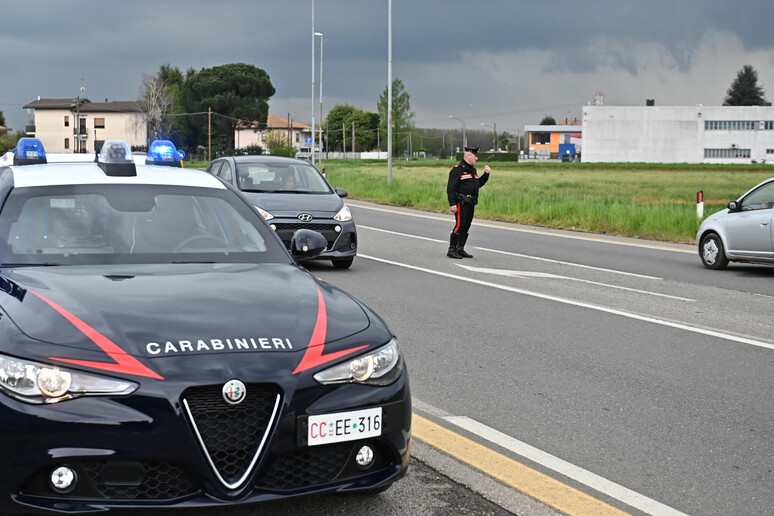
(293,226)
(232,435)
(139,480)
(310,467)
(286,230)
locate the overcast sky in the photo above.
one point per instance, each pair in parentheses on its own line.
(503,62)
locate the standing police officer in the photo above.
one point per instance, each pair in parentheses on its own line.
(462,191)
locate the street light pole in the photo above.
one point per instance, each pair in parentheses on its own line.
(389,91)
(321,72)
(464,138)
(313,78)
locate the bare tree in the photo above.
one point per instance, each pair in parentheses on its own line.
(156,105)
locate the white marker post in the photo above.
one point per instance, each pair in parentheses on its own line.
(700,204)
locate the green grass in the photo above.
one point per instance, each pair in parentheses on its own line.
(653,201)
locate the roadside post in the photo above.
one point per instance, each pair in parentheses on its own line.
(700,204)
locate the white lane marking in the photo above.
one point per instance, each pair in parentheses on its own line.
(528,230)
(528,274)
(679,326)
(517,254)
(567,469)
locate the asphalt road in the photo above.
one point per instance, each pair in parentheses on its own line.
(622,368)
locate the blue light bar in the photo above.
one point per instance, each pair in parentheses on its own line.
(29,151)
(163,152)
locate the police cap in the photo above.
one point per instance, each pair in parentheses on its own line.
(473,150)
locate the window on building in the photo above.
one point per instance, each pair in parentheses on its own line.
(728,125)
(298,138)
(67,121)
(67,142)
(727,153)
(99,123)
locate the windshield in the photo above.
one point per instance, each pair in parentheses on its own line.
(295,177)
(113,224)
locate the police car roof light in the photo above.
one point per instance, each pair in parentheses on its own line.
(115,159)
(163,152)
(29,151)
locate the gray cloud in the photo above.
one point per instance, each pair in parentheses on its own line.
(492,61)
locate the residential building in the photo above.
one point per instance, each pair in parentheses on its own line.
(249,134)
(678,134)
(81,126)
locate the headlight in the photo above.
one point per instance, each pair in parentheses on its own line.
(34,382)
(343,215)
(379,367)
(266,214)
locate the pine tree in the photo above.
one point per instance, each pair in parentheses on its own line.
(745,91)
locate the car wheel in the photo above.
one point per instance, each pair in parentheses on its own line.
(344,263)
(712,253)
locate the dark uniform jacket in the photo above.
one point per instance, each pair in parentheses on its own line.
(464,184)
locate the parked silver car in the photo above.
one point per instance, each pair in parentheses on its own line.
(742,232)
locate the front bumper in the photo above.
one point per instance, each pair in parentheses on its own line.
(142,451)
(341,236)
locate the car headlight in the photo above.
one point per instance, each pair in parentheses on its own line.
(266,214)
(33,382)
(379,367)
(343,215)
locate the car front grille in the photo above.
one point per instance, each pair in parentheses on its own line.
(286,230)
(310,467)
(139,480)
(232,436)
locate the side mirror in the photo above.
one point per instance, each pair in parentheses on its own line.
(307,244)
(732,206)
(341,192)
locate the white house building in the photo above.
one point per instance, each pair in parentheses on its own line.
(81,126)
(678,134)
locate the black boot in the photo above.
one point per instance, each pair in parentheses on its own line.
(453,243)
(463,237)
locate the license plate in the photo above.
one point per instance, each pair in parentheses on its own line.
(344,426)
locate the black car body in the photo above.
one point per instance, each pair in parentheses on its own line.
(146,361)
(309,203)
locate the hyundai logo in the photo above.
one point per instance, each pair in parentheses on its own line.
(234,392)
(305,217)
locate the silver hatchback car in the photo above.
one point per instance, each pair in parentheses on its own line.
(742,232)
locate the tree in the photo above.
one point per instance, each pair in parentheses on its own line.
(548,120)
(277,143)
(341,118)
(402,116)
(2,119)
(234,92)
(745,91)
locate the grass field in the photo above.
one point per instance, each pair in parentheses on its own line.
(652,201)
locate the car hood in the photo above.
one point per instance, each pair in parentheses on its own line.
(293,204)
(160,311)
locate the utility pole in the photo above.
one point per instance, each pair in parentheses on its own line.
(353,139)
(209,134)
(389,91)
(344,139)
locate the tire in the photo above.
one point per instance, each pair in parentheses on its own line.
(712,252)
(344,263)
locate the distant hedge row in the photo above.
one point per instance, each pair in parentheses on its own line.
(493,156)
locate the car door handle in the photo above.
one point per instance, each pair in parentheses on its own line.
(765,222)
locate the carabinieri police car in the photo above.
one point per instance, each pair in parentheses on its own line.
(160,347)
